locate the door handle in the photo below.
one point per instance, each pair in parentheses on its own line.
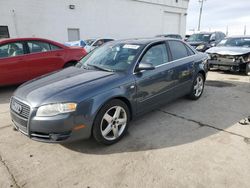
(171,71)
(192,65)
(58,55)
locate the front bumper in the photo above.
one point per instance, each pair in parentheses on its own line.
(56,129)
(226,65)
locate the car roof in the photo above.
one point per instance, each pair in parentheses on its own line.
(168,34)
(208,33)
(7,40)
(21,39)
(239,36)
(100,38)
(144,41)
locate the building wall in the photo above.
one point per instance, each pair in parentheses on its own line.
(95,18)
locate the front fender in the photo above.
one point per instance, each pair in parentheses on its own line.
(88,109)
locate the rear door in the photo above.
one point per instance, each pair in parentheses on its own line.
(183,66)
(13,64)
(44,58)
(152,85)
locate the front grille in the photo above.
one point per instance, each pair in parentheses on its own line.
(50,136)
(25,109)
(222,57)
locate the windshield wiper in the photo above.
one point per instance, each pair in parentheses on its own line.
(100,68)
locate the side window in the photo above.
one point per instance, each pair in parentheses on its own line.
(107,40)
(222,36)
(38,46)
(156,55)
(98,43)
(178,50)
(11,50)
(217,36)
(54,47)
(213,37)
(190,51)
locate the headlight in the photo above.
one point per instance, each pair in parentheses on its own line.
(55,109)
(200,47)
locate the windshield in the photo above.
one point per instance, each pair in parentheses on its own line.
(112,57)
(89,41)
(235,42)
(199,38)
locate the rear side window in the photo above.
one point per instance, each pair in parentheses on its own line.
(98,43)
(54,47)
(107,40)
(190,51)
(11,50)
(156,55)
(178,50)
(38,46)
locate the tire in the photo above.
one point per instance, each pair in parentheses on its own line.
(197,87)
(109,126)
(247,71)
(69,64)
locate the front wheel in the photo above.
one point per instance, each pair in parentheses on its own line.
(197,88)
(111,122)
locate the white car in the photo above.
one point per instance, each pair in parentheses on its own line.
(91,44)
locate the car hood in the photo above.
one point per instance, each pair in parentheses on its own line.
(43,88)
(228,50)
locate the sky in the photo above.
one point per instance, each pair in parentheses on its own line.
(218,15)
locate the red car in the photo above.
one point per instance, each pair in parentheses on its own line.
(23,59)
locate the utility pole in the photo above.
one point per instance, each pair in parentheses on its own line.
(199,25)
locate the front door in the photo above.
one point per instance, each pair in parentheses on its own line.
(43,59)
(13,64)
(152,85)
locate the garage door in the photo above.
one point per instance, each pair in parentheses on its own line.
(171,22)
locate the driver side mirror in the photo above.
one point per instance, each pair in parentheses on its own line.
(145,66)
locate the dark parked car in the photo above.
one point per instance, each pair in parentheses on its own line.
(174,36)
(205,40)
(108,88)
(232,53)
(23,59)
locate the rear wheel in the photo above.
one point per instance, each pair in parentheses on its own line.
(111,122)
(197,88)
(69,64)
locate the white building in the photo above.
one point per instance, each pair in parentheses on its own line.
(64,20)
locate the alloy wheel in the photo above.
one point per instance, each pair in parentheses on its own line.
(198,87)
(113,123)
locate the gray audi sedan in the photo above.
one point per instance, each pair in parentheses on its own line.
(107,89)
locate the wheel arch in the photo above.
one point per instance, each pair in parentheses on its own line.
(119,97)
(203,74)
(69,63)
